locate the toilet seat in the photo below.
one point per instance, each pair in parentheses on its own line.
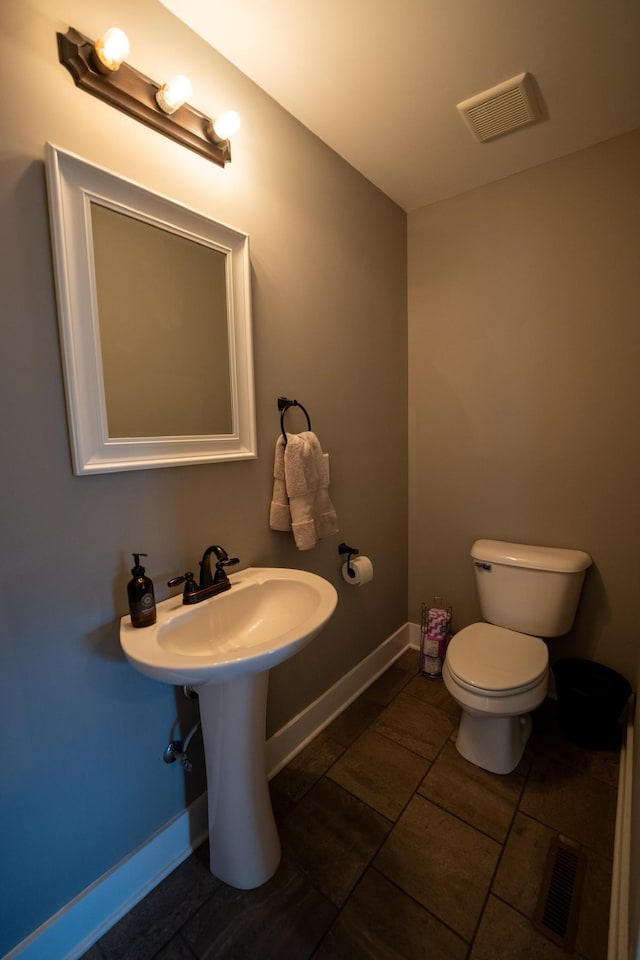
(496,662)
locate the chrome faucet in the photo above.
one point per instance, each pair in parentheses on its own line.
(210,584)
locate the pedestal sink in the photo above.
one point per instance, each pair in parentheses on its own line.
(225,647)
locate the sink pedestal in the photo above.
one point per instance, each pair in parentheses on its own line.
(225,647)
(243,838)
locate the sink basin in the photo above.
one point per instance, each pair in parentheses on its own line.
(268,615)
(225,647)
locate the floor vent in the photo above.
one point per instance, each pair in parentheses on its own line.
(558,907)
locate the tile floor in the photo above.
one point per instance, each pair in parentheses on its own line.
(395,847)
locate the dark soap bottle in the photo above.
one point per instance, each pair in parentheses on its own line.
(142,602)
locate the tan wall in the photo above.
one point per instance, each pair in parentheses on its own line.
(525,387)
(86,784)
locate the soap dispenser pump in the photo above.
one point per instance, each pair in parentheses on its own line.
(142,601)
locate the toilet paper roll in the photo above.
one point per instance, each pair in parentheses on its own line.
(361,571)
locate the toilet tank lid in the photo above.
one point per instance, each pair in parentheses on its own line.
(555,559)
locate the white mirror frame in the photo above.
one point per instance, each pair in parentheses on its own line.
(72,185)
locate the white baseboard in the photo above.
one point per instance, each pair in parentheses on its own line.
(77,925)
(296,734)
(620,878)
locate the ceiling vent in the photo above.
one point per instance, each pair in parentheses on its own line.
(504,108)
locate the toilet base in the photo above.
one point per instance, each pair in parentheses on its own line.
(493,743)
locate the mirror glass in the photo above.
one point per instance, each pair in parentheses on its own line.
(162,310)
(154,310)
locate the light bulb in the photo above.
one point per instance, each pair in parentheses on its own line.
(112,48)
(173,94)
(226,125)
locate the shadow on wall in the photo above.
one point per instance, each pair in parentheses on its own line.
(592,619)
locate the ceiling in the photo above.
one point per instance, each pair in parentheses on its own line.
(379,80)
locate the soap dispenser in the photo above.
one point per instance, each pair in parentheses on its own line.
(142,602)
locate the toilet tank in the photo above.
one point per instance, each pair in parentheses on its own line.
(533,590)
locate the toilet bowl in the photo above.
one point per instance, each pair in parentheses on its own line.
(496,676)
(498,671)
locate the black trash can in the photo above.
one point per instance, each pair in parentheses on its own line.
(591,698)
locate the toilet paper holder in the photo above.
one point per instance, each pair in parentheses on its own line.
(351,552)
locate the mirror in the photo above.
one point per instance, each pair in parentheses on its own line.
(155,324)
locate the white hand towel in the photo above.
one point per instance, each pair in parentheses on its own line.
(305,485)
(279,513)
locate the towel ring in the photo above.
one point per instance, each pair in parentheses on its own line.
(283,406)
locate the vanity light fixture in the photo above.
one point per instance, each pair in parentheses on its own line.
(99,68)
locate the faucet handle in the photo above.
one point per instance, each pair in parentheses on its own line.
(190,585)
(220,575)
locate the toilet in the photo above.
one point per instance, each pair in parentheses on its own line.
(498,671)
